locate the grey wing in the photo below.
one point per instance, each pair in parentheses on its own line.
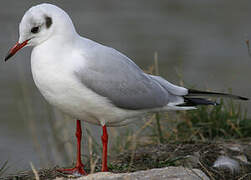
(173,89)
(114,76)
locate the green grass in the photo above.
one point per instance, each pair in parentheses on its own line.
(228,120)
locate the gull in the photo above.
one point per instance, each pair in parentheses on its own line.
(92,82)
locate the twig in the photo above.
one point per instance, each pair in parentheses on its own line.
(157,116)
(205,169)
(34,171)
(134,138)
(245,175)
(156,63)
(93,162)
(161,139)
(247,43)
(4,168)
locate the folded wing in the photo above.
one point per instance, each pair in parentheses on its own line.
(114,76)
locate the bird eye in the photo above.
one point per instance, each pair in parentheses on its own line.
(35,29)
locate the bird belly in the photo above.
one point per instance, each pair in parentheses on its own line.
(62,90)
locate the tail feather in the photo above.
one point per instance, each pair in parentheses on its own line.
(197,93)
(197,101)
(196,97)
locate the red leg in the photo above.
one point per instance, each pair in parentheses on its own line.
(104,139)
(79,165)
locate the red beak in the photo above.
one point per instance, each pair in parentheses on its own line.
(14,49)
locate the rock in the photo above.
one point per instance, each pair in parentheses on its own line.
(168,173)
(242,158)
(226,162)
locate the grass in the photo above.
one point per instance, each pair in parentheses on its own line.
(228,120)
(224,122)
(3,168)
(203,133)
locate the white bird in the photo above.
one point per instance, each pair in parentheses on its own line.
(93,82)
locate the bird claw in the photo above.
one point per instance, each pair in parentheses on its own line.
(78,170)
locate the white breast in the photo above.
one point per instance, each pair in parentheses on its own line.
(60,87)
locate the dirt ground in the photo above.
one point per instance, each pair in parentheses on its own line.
(201,155)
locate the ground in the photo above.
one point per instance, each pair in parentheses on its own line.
(200,155)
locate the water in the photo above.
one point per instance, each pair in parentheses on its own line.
(203,41)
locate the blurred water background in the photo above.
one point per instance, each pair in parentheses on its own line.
(202,42)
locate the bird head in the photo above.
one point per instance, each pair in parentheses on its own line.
(39,24)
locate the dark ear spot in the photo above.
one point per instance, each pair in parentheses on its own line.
(48,21)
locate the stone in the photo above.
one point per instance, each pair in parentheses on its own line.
(168,173)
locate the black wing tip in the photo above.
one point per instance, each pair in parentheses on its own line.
(243,98)
(194,91)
